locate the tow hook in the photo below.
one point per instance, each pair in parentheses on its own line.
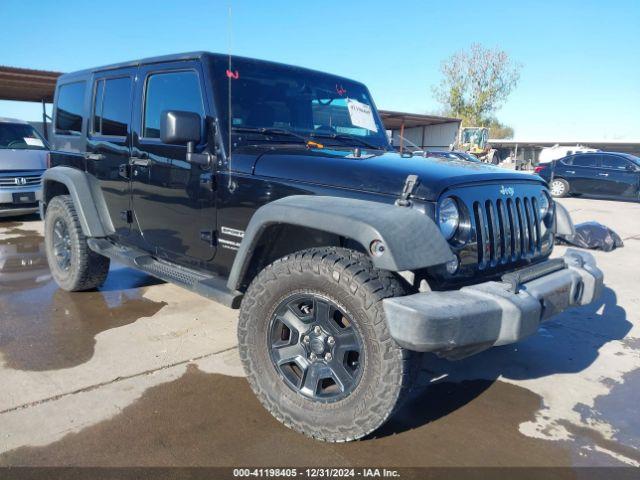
(410,185)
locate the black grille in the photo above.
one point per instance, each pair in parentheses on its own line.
(507,230)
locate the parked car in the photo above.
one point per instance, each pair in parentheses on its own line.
(452,155)
(23,159)
(595,174)
(274,189)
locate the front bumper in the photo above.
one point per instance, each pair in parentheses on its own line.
(462,322)
(9,208)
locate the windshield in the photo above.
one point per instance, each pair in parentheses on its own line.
(20,137)
(439,154)
(312,104)
(633,158)
(467,156)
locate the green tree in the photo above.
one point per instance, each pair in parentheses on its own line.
(498,130)
(476,83)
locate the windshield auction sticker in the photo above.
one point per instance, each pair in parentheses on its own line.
(33,142)
(361,115)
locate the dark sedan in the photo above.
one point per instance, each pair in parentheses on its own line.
(594,174)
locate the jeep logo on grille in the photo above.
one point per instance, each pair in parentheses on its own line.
(20,181)
(507,191)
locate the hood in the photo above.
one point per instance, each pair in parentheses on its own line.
(383,173)
(23,159)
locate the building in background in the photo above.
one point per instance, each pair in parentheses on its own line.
(528,151)
(424,131)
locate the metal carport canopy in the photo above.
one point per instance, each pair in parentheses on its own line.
(27,85)
(395,120)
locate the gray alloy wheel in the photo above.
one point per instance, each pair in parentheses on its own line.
(315,347)
(62,244)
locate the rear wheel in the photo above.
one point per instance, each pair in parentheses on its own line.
(73,265)
(559,187)
(315,345)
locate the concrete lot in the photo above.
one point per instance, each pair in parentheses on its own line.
(145,373)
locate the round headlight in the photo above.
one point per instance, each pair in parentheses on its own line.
(448,217)
(543,205)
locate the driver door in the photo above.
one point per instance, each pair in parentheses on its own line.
(173,200)
(618,177)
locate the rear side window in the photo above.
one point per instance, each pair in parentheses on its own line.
(617,163)
(585,161)
(170,91)
(112,107)
(69,108)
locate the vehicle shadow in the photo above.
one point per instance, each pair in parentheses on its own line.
(125,278)
(8,220)
(568,344)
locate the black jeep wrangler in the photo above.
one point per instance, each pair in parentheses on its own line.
(274,189)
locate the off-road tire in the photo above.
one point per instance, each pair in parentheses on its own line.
(565,189)
(87,269)
(348,278)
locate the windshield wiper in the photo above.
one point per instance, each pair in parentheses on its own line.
(346,136)
(275,131)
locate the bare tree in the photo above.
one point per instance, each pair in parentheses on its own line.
(476,83)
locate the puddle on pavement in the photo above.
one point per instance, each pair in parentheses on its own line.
(215,420)
(45,328)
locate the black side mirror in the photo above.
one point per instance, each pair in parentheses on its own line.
(180,128)
(183,128)
(631,168)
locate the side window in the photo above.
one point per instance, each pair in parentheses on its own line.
(567,161)
(585,161)
(170,91)
(112,107)
(69,107)
(611,161)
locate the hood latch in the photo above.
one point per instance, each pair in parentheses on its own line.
(410,185)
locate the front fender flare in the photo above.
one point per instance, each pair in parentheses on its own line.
(412,240)
(87,198)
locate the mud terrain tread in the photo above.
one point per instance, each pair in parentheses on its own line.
(89,269)
(354,271)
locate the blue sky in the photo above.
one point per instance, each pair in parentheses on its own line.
(581,75)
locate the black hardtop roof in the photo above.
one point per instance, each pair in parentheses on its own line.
(80,74)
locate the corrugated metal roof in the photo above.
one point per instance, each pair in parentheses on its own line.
(393,120)
(27,85)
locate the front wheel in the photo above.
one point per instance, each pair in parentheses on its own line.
(315,346)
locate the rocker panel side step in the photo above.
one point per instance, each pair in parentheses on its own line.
(209,286)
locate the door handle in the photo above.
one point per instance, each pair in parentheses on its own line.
(603,174)
(94,156)
(140,162)
(571,171)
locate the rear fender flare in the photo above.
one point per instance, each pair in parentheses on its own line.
(87,198)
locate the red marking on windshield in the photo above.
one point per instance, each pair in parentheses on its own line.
(340,90)
(235,75)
